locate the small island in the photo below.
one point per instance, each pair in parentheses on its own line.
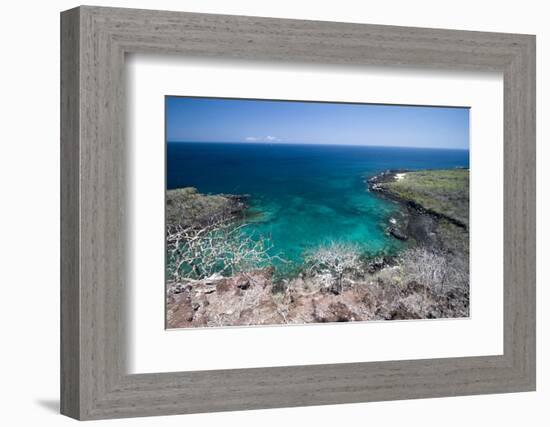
(219,274)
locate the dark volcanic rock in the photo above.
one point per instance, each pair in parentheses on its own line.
(421,227)
(397,233)
(401,312)
(418,223)
(376,264)
(244,285)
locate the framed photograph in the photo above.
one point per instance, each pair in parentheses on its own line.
(262,213)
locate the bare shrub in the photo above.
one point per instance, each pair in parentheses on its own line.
(390,275)
(220,247)
(435,270)
(335,259)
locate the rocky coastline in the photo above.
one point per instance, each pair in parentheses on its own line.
(186,207)
(415,221)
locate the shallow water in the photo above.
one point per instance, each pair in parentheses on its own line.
(305,195)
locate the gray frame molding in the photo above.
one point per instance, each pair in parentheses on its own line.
(94,41)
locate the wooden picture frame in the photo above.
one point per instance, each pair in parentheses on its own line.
(94,382)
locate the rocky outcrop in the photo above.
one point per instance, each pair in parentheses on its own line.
(416,221)
(249,299)
(377,184)
(244,299)
(187,207)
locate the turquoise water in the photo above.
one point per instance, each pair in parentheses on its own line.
(304,195)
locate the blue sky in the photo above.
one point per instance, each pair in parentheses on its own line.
(259,121)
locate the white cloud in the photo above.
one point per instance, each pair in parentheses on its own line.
(268,138)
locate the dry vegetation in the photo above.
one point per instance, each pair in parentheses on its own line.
(216,248)
(420,285)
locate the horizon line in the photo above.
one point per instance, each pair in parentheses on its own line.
(314,144)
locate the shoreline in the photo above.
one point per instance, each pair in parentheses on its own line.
(418,222)
(415,223)
(392,175)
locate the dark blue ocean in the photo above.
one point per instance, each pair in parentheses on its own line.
(305,195)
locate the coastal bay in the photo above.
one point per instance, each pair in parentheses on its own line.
(305,195)
(300,208)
